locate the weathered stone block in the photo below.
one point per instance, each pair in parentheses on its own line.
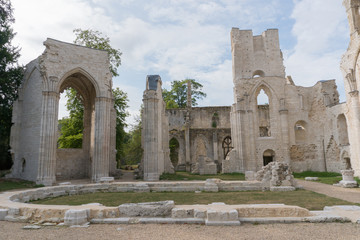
(199,213)
(311,178)
(152,209)
(282,189)
(3,214)
(106,179)
(225,217)
(76,217)
(182,213)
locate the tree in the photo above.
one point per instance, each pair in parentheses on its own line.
(11,75)
(177,96)
(94,39)
(71,128)
(133,150)
(120,104)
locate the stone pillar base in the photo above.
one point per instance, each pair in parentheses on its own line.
(151,177)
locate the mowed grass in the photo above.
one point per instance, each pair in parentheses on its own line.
(302,198)
(10,184)
(324,177)
(186,176)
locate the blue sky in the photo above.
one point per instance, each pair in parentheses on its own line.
(180,39)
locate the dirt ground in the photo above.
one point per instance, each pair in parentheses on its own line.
(296,231)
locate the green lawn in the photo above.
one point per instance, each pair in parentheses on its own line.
(302,198)
(186,176)
(10,184)
(324,177)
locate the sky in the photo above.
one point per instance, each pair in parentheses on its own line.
(180,39)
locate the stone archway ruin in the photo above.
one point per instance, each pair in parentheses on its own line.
(35,114)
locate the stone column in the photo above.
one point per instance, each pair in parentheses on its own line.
(150,129)
(355,139)
(101,157)
(285,134)
(215,145)
(252,164)
(48,139)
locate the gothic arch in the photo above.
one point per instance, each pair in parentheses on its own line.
(81,71)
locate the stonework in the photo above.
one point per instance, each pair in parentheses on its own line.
(156,159)
(305,127)
(35,116)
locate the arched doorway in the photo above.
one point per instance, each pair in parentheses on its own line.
(174,151)
(76,162)
(268,157)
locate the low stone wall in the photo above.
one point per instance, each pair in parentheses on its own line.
(14,206)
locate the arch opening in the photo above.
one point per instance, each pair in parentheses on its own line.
(263,109)
(75,153)
(258,73)
(174,151)
(268,157)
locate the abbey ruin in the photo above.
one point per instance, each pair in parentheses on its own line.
(305,127)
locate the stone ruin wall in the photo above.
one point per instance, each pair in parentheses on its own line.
(209,126)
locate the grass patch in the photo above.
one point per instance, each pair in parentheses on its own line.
(186,176)
(10,184)
(324,177)
(302,198)
(316,174)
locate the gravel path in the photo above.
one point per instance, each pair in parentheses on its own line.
(328,231)
(347,194)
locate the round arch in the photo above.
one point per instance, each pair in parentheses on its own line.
(268,156)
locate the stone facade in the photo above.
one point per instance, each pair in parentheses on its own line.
(305,127)
(35,116)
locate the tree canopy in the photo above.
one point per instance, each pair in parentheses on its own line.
(71,128)
(10,78)
(176,97)
(94,39)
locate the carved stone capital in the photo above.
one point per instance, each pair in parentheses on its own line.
(354,93)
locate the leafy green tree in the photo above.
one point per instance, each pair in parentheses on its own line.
(120,104)
(94,39)
(71,128)
(133,150)
(10,78)
(176,97)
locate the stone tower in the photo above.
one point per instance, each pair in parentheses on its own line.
(257,65)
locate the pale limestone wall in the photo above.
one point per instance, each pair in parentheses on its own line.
(26,119)
(71,163)
(350,69)
(299,119)
(34,133)
(209,126)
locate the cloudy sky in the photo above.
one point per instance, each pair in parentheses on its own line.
(180,39)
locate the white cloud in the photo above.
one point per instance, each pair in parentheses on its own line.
(188,39)
(322,36)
